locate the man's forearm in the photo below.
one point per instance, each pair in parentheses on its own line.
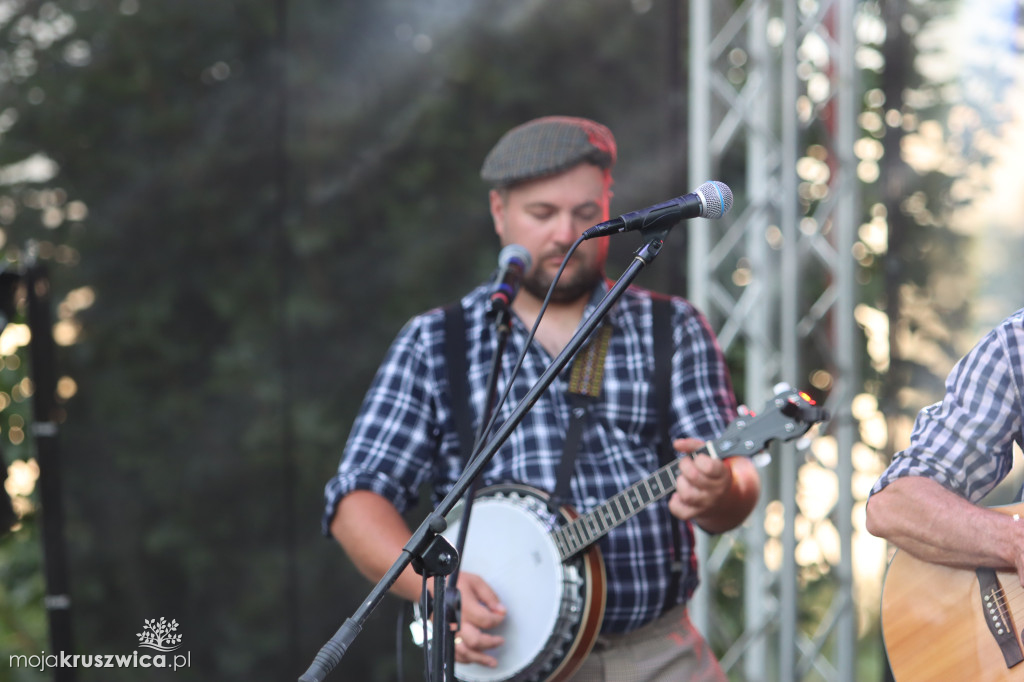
(373,534)
(934,524)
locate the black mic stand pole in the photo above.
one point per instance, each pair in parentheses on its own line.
(426,541)
(453,605)
(446,599)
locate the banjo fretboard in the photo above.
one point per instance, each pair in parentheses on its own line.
(587,529)
(788,415)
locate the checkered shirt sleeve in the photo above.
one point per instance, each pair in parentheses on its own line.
(965,441)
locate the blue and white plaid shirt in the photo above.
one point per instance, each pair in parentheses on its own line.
(965,442)
(405,433)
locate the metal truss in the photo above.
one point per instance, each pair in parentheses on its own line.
(774,91)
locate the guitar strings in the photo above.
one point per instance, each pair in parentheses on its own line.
(1011,595)
(1003,597)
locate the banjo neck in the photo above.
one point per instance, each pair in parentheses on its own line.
(585,530)
(786,416)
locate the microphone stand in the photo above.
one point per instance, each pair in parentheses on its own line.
(453,600)
(427,545)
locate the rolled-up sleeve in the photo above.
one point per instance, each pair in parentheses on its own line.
(395,435)
(965,442)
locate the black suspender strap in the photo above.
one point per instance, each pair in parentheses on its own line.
(661,312)
(458,376)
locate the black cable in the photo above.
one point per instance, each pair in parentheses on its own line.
(399,643)
(425,611)
(486,431)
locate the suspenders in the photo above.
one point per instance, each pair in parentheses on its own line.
(661,310)
(458,377)
(585,383)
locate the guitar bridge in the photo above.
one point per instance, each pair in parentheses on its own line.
(997,616)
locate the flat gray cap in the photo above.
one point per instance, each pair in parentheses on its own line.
(546,146)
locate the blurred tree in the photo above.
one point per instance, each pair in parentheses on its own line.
(242,203)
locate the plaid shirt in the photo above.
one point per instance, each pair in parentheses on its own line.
(405,433)
(965,442)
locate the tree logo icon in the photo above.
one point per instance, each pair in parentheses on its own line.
(159,635)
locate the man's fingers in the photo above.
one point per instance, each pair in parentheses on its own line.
(687,445)
(481,610)
(480,615)
(702,480)
(483,594)
(480,605)
(471,645)
(703,472)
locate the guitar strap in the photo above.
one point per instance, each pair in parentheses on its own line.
(584,388)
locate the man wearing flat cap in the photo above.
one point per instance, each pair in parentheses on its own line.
(550,180)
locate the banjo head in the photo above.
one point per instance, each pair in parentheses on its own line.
(508,543)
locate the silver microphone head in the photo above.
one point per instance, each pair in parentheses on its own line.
(515,252)
(716,198)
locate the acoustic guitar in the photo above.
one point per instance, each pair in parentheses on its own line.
(942,623)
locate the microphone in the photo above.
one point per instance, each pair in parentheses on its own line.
(711,200)
(513,262)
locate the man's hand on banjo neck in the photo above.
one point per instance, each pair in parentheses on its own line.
(716,494)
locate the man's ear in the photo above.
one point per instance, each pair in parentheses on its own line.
(497,203)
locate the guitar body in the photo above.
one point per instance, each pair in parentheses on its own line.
(936,621)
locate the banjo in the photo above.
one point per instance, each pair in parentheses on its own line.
(546,567)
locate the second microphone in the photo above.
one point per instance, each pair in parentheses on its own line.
(514,262)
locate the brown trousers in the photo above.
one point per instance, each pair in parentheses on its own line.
(668,649)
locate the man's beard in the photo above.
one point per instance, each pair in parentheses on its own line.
(580,284)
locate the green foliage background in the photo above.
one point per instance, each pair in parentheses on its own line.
(258,194)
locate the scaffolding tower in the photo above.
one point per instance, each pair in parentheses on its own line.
(773,90)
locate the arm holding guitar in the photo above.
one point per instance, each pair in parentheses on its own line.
(715,494)
(935,524)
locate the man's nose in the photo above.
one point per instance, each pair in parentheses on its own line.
(566,230)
